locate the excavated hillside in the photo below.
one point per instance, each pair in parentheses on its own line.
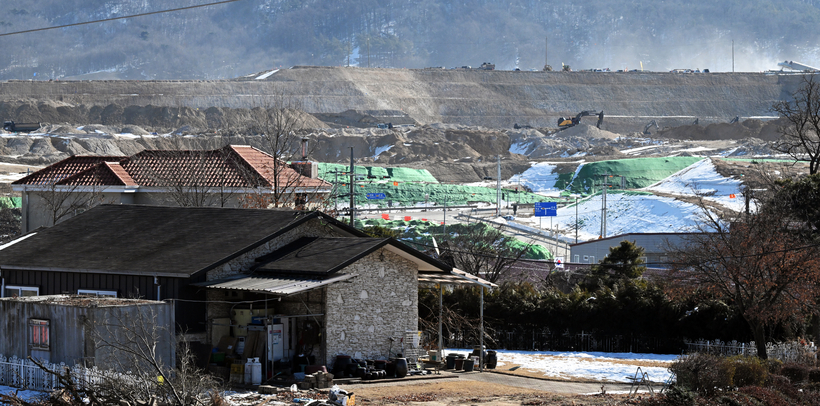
(493,99)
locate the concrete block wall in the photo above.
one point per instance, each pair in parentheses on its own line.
(381,302)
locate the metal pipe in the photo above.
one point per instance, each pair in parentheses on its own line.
(481,329)
(440,320)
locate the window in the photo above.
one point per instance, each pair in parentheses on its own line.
(39,334)
(586,258)
(592,259)
(576,259)
(98,293)
(20,291)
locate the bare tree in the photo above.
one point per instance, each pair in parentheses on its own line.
(801,134)
(134,345)
(68,200)
(278,124)
(482,251)
(190,174)
(757,263)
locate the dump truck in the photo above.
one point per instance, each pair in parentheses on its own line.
(13,127)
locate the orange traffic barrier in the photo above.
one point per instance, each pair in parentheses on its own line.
(385,216)
(406,218)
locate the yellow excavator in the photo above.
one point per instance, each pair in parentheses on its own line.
(573,121)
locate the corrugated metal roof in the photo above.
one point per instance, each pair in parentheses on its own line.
(455,277)
(277,285)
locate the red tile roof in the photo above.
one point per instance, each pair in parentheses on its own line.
(59,171)
(236,166)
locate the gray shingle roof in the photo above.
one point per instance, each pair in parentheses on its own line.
(318,256)
(149,240)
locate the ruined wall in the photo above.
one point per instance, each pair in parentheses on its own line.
(380,303)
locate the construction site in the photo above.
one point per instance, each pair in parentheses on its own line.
(493,143)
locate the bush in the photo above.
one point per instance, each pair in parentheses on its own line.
(679,396)
(814,375)
(748,371)
(773,366)
(703,373)
(795,372)
(765,396)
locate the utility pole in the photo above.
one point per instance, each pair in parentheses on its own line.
(352,189)
(498,190)
(576,219)
(546,51)
(604,185)
(445,217)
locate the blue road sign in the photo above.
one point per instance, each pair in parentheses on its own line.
(377,196)
(546,209)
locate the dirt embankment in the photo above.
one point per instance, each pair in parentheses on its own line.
(752,128)
(494,99)
(151,118)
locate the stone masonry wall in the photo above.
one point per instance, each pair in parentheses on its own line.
(381,302)
(312,228)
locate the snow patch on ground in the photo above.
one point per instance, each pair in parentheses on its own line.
(539,178)
(701,179)
(600,366)
(381,149)
(625,214)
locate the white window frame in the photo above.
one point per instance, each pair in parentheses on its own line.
(586,259)
(98,293)
(592,259)
(20,290)
(577,259)
(38,341)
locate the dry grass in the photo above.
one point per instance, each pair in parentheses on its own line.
(464,392)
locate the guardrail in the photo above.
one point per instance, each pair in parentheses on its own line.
(559,248)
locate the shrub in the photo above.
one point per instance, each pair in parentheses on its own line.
(766,396)
(680,396)
(748,371)
(773,366)
(703,373)
(814,375)
(795,372)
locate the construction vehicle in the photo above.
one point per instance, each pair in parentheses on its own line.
(571,122)
(648,126)
(13,127)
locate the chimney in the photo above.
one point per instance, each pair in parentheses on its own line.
(304,148)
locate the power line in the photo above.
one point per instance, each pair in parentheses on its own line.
(118,18)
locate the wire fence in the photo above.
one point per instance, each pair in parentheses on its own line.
(545,340)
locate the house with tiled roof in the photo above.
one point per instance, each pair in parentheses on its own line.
(233,176)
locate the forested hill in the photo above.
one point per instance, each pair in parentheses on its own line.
(246,36)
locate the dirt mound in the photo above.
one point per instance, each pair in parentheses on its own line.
(751,128)
(586,131)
